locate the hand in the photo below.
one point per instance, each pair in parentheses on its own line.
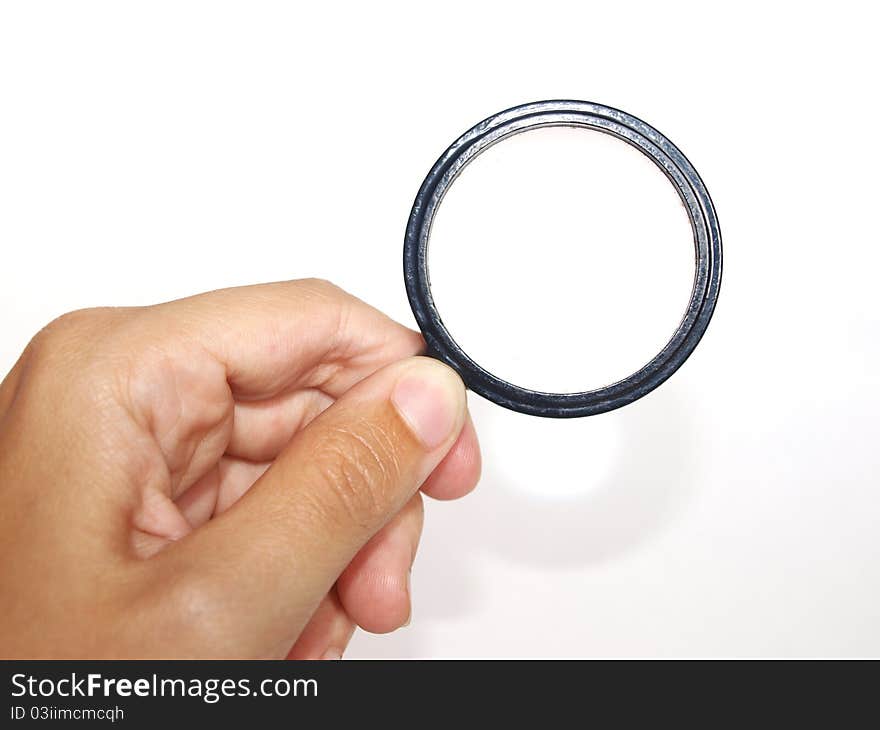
(236,474)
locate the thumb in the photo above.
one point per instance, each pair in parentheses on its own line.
(259,570)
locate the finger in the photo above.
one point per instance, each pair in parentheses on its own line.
(374,588)
(159,520)
(197,357)
(261,429)
(458,474)
(308,334)
(218,490)
(267,562)
(327,634)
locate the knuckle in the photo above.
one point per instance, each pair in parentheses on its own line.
(64,327)
(78,331)
(360,469)
(57,350)
(78,352)
(321,287)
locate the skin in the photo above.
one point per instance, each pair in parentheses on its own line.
(236,474)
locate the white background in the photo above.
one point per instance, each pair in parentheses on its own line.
(152,150)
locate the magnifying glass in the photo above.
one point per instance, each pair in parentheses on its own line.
(685,181)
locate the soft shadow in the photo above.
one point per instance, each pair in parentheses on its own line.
(619,495)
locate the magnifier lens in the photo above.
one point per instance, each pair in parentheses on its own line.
(561,259)
(518,245)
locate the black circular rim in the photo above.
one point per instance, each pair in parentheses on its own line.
(670,160)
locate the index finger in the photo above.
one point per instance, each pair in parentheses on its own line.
(306,333)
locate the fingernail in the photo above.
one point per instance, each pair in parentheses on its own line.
(332,655)
(430,398)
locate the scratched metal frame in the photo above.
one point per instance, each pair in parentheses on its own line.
(676,167)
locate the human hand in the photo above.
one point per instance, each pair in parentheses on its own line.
(236,474)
